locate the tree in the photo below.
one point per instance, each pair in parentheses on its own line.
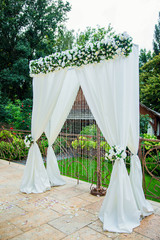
(64,39)
(144,57)
(27,31)
(156,41)
(93,34)
(150,84)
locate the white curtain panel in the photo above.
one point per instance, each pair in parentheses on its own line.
(46,90)
(105,87)
(64,104)
(133,142)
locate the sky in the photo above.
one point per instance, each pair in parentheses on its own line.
(136,17)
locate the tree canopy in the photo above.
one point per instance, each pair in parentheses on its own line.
(150,84)
(144,57)
(156,40)
(28,30)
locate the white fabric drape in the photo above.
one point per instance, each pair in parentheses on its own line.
(46,90)
(64,104)
(105,87)
(133,142)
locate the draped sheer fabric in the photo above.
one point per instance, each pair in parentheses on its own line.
(107,90)
(111,90)
(133,142)
(46,90)
(64,104)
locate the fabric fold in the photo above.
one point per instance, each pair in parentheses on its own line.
(109,98)
(53,169)
(59,115)
(35,179)
(119,212)
(46,90)
(136,181)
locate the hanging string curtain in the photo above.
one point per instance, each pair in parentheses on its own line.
(111,90)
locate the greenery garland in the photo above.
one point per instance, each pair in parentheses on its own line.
(109,47)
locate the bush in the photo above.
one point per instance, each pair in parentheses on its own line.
(59,144)
(18,114)
(11,146)
(149,144)
(88,142)
(144,123)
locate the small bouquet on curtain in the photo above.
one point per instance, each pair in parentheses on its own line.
(115,153)
(28,140)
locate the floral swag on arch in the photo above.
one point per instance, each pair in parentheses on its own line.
(109,47)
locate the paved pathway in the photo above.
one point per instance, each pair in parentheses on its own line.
(67,212)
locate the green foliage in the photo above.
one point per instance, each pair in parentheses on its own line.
(27,31)
(144,123)
(89,130)
(59,144)
(85,169)
(151,165)
(93,34)
(144,57)
(156,41)
(149,144)
(64,39)
(18,114)
(150,84)
(11,146)
(90,141)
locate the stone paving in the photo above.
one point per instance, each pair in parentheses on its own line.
(67,212)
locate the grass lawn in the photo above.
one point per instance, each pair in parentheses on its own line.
(85,169)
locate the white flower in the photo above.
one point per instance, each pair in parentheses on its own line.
(102,57)
(124,155)
(89,51)
(91,45)
(63,64)
(121,37)
(98,45)
(27,140)
(125,34)
(115,153)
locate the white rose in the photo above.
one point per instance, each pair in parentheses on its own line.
(124,155)
(69,57)
(98,45)
(63,64)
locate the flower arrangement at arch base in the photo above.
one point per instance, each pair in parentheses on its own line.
(28,140)
(115,153)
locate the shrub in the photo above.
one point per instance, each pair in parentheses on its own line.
(12,147)
(59,144)
(18,114)
(149,144)
(144,123)
(88,142)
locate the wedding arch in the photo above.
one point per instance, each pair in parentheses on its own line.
(107,72)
